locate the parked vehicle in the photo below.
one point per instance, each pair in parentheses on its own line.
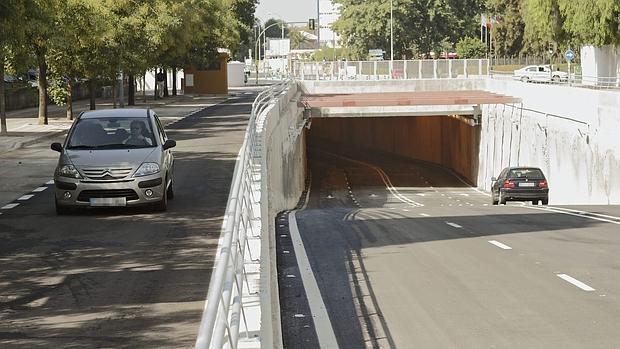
(520,184)
(116,157)
(540,73)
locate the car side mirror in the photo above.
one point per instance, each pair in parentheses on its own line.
(169,144)
(57,147)
(493,179)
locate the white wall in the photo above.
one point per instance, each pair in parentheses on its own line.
(235,74)
(600,64)
(571,133)
(150,79)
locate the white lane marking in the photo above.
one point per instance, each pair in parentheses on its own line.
(406,210)
(424,215)
(323,325)
(25,197)
(584,212)
(39,189)
(549,209)
(454,225)
(576,282)
(500,245)
(9,206)
(384,177)
(50,182)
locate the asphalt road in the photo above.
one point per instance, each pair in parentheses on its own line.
(120,278)
(430,263)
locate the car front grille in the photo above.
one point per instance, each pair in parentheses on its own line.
(106,173)
(86,195)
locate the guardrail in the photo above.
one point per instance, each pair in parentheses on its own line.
(390,70)
(224,317)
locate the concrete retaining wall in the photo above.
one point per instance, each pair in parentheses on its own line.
(318,87)
(571,133)
(443,140)
(283,181)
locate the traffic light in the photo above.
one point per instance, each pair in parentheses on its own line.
(311,24)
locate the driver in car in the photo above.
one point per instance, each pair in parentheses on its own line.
(136,136)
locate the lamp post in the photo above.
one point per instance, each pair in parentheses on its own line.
(264,45)
(391,30)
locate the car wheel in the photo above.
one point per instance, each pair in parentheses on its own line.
(545,201)
(502,199)
(493,201)
(162,205)
(61,210)
(170,191)
(534,202)
(555,78)
(525,79)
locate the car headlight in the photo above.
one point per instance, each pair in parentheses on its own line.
(68,171)
(147,168)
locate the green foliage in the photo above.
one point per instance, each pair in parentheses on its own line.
(469,47)
(275,31)
(509,31)
(420,26)
(328,54)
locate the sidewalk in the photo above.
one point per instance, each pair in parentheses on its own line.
(24,129)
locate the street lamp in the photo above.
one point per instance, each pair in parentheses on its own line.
(391,30)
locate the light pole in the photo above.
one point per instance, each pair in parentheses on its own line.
(391,30)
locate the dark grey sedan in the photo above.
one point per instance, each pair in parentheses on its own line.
(520,184)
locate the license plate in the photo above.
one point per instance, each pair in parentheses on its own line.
(108,202)
(527,184)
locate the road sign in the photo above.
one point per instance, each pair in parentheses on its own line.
(569,55)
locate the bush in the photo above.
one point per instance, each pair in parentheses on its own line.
(471,48)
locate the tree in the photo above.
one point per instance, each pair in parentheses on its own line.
(244,14)
(508,32)
(275,31)
(470,48)
(300,38)
(10,33)
(419,25)
(543,25)
(591,22)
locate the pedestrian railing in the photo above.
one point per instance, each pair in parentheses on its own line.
(390,70)
(224,322)
(574,80)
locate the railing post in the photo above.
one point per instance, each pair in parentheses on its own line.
(480,67)
(419,69)
(434,69)
(405,70)
(375,69)
(450,68)
(316,69)
(465,67)
(359,72)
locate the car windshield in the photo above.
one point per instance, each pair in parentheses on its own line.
(111,133)
(526,173)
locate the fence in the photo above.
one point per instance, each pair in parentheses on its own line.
(390,70)
(224,322)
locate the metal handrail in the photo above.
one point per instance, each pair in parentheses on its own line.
(223,312)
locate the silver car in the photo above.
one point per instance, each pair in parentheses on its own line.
(117,157)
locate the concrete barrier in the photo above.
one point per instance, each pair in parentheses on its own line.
(344,86)
(571,133)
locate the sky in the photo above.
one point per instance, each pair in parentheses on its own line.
(289,10)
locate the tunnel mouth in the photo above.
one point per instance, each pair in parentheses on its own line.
(409,148)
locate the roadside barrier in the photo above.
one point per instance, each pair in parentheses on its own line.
(224,321)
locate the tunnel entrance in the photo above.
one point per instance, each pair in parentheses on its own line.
(448,141)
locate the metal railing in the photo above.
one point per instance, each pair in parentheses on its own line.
(574,80)
(390,70)
(224,321)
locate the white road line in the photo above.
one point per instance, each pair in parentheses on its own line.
(500,245)
(454,225)
(549,209)
(424,215)
(25,197)
(584,212)
(322,323)
(50,182)
(576,282)
(406,210)
(39,189)
(9,206)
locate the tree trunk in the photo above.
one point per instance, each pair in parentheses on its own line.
(174,81)
(3,129)
(166,83)
(155,95)
(114,94)
(42,87)
(144,87)
(91,93)
(69,100)
(131,93)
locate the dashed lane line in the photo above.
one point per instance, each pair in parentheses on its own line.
(500,245)
(454,225)
(552,209)
(25,197)
(9,206)
(424,215)
(576,282)
(39,189)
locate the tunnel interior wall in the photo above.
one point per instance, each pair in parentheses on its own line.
(570,133)
(442,140)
